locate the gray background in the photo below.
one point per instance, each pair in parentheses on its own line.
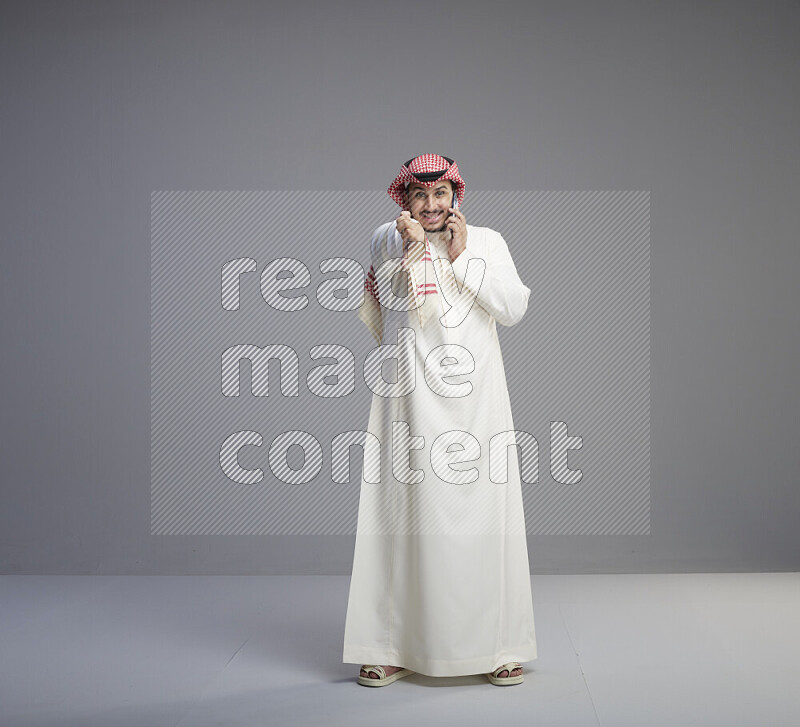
(579,356)
(105,102)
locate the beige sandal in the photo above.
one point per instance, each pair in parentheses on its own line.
(382,679)
(507,680)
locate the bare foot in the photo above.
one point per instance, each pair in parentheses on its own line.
(388,669)
(514,672)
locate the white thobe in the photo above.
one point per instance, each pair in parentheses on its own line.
(441,579)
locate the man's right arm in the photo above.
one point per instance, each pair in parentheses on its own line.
(502,294)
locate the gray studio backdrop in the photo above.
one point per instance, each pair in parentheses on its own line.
(693,105)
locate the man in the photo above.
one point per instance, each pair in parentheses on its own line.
(440,582)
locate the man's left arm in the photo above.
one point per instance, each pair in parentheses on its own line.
(502,294)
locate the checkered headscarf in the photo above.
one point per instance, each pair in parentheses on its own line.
(428,170)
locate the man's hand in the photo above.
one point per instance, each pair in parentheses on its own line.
(457,224)
(410,230)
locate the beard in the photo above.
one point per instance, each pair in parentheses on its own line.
(439,236)
(437,230)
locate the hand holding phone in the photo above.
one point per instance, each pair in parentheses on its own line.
(453,217)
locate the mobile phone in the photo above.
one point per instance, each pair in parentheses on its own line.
(455,207)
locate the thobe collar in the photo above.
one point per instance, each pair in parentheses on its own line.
(439,240)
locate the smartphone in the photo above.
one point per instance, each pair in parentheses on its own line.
(455,207)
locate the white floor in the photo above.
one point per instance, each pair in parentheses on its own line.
(615,650)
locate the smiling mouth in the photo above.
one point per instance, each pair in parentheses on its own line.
(432,217)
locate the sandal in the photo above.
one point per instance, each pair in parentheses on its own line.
(507,680)
(382,679)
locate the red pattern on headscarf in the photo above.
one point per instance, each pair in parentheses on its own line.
(420,165)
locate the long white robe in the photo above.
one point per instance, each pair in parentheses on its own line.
(441,581)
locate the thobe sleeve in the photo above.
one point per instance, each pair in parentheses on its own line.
(384,243)
(501,294)
(370,312)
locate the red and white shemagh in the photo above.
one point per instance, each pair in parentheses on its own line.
(423,290)
(428,170)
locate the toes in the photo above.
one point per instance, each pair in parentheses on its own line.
(516,671)
(374,675)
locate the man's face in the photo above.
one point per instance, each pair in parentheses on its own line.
(428,205)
